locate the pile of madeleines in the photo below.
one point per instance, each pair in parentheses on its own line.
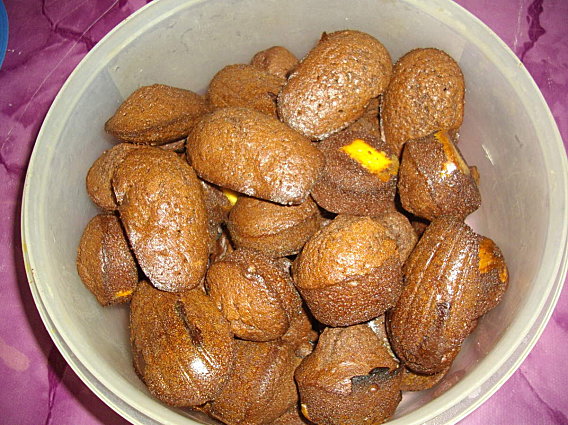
(292,244)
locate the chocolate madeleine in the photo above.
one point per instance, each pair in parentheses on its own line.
(349,272)
(245,86)
(253,153)
(255,295)
(434,179)
(104,261)
(359,177)
(332,85)
(182,346)
(99,177)
(156,114)
(273,229)
(425,94)
(440,302)
(276,60)
(261,388)
(161,205)
(350,377)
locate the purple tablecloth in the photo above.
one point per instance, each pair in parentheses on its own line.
(47,40)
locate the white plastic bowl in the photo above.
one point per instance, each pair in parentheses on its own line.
(508,133)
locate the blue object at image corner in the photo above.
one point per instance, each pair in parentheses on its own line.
(3,32)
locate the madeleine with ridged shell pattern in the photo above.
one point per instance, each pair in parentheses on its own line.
(442,297)
(182,346)
(99,177)
(261,388)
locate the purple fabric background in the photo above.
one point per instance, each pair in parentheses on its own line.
(47,40)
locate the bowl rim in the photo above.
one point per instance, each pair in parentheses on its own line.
(492,378)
